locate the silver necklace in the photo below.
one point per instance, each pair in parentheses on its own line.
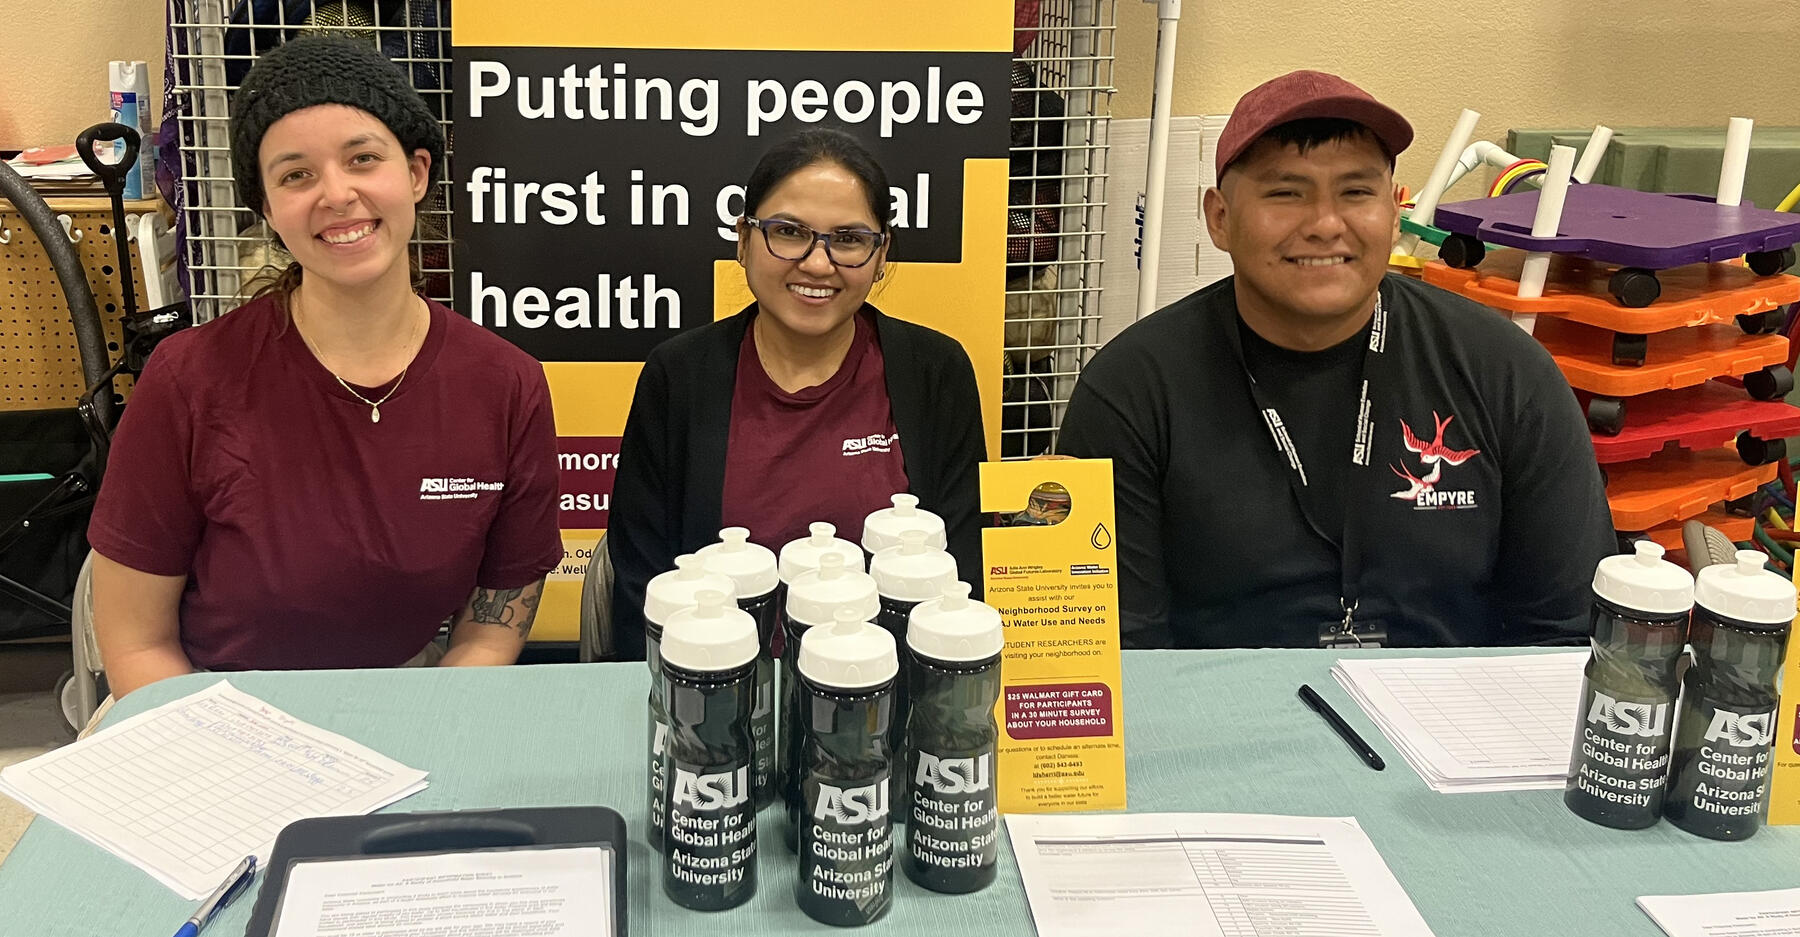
(374,405)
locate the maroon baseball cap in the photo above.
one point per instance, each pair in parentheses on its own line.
(1300,95)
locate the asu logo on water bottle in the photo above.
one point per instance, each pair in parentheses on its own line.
(1644,720)
(954,775)
(711,791)
(1741,730)
(854,805)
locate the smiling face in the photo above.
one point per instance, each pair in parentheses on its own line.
(1309,236)
(813,296)
(341,193)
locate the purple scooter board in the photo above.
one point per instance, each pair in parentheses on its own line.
(1642,232)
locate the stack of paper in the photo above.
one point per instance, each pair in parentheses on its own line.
(1207,873)
(186,790)
(1737,914)
(57,170)
(1474,723)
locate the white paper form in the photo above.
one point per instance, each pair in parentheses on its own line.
(186,790)
(1208,875)
(1474,723)
(536,892)
(1732,914)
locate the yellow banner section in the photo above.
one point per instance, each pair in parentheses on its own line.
(1784,781)
(1061,708)
(799,26)
(559,610)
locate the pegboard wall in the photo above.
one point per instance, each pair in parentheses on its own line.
(40,365)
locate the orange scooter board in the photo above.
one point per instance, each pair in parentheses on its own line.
(1673,359)
(1677,484)
(1697,294)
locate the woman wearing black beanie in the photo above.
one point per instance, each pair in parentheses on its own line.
(325,475)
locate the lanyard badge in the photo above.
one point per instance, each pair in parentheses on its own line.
(1346,631)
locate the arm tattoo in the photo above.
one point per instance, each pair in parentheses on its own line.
(494,607)
(489,606)
(531,609)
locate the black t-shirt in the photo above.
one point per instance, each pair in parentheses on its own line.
(1316,393)
(1480,511)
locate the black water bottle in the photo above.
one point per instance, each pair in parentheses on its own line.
(813,599)
(1639,622)
(709,671)
(846,844)
(906,575)
(953,815)
(753,569)
(1724,737)
(665,595)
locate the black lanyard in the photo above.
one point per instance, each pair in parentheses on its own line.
(1346,631)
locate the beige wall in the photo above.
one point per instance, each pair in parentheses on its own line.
(53,56)
(1530,63)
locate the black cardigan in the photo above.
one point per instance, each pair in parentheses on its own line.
(670,485)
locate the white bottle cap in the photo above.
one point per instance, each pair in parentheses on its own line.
(802,555)
(912,571)
(883,528)
(674,590)
(1746,591)
(954,627)
(851,654)
(749,565)
(1645,582)
(815,598)
(712,634)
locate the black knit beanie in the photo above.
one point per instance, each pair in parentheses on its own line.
(324,69)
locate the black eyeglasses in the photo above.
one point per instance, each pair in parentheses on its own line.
(791,240)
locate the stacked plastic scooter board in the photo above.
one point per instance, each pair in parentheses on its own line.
(1670,344)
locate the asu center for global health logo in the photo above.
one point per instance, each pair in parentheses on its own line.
(455,489)
(1423,490)
(874,442)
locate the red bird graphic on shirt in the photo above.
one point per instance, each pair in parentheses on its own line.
(1415,485)
(1435,451)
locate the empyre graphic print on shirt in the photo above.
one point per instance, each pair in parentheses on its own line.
(1427,488)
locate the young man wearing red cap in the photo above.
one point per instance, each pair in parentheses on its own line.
(1313,452)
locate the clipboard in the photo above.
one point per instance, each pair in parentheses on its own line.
(418,834)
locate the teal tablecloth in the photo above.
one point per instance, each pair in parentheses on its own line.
(1205,731)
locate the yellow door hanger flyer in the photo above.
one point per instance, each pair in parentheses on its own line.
(1054,579)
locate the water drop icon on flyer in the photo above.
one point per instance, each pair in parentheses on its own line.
(1102,537)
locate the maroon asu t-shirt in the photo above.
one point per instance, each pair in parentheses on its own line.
(310,536)
(829,452)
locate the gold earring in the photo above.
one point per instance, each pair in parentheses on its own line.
(882,272)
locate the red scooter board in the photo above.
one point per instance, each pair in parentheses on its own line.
(1703,417)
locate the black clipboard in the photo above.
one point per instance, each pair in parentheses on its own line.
(417,834)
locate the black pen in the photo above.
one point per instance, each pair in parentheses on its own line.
(1317,704)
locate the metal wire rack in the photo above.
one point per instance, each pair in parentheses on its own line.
(1061,105)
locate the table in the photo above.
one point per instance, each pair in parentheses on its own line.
(1206,731)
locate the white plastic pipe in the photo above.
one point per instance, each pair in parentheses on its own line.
(1481,151)
(1168,19)
(1590,154)
(1737,155)
(1544,224)
(1425,209)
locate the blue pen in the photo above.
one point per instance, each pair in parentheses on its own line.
(234,885)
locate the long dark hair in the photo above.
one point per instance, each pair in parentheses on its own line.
(819,145)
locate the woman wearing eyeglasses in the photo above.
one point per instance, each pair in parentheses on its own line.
(810,405)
